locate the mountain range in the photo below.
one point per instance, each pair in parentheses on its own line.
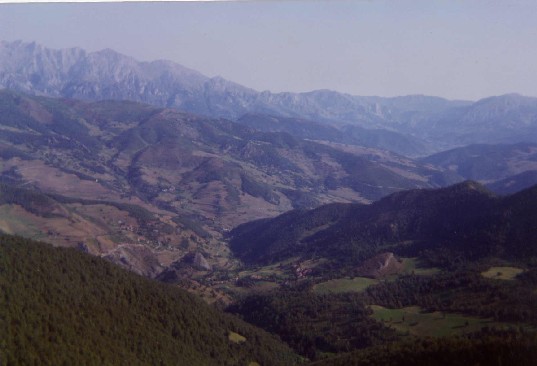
(153,153)
(486,162)
(199,177)
(355,230)
(437,123)
(144,185)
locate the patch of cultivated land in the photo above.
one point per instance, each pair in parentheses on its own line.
(103,229)
(240,282)
(263,272)
(502,273)
(277,269)
(60,231)
(54,180)
(346,195)
(413,321)
(415,266)
(252,208)
(16,221)
(357,284)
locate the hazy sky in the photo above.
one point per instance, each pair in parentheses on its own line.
(455,49)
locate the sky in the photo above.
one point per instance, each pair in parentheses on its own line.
(457,49)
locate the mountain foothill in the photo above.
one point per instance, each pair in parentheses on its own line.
(197,221)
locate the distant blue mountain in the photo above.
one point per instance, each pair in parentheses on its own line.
(432,121)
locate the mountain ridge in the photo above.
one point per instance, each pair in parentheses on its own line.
(199,176)
(75,73)
(463,218)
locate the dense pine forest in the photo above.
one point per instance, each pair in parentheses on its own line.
(447,227)
(63,307)
(483,348)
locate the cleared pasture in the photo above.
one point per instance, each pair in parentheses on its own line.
(502,273)
(414,321)
(357,284)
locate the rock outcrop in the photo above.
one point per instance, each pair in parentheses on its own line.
(381,265)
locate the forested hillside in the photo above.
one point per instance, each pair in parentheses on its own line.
(464,222)
(449,272)
(484,348)
(60,306)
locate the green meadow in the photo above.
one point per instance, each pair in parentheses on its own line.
(502,273)
(413,321)
(357,284)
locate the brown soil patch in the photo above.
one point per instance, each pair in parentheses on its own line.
(381,265)
(50,179)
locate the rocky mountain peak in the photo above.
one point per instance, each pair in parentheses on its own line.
(107,74)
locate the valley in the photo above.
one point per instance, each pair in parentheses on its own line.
(195,175)
(277,228)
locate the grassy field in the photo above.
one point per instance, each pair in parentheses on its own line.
(412,321)
(236,337)
(264,272)
(261,286)
(277,270)
(15,220)
(357,284)
(502,273)
(413,265)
